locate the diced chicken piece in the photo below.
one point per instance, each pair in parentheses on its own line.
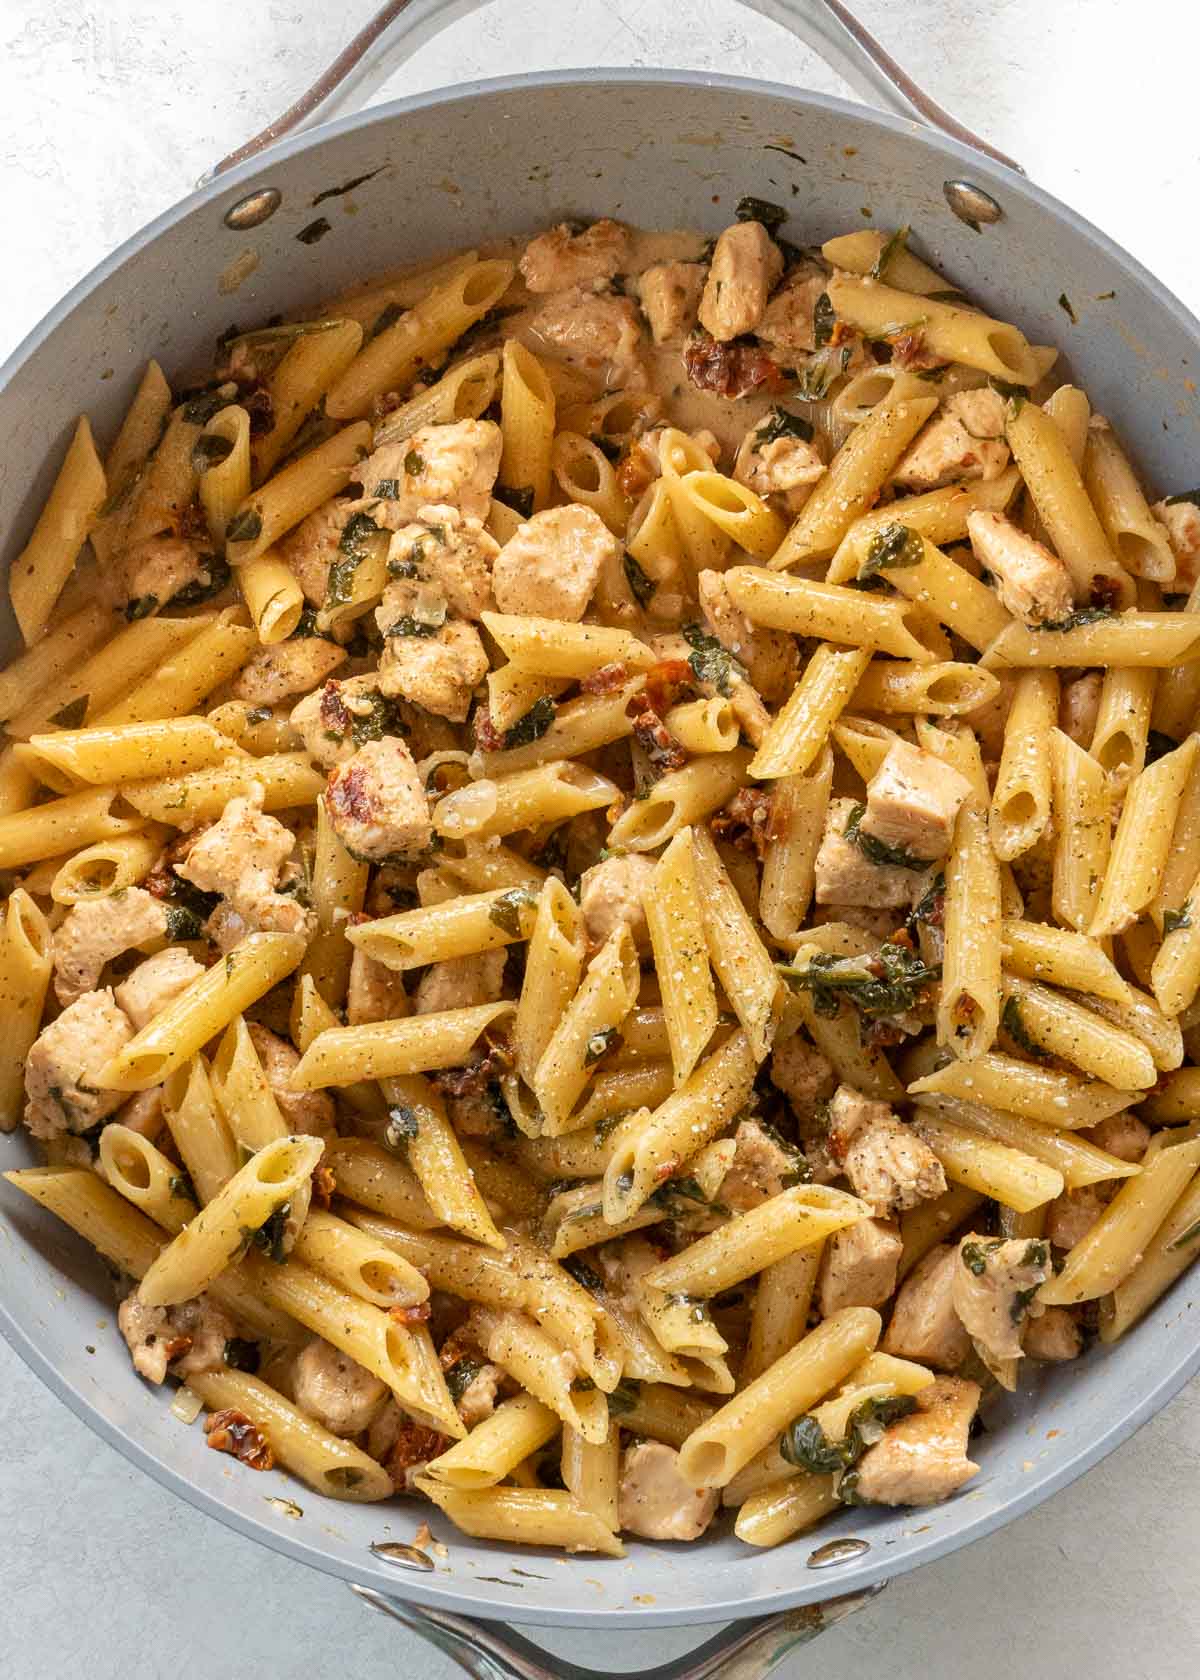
(746,263)
(802,1073)
(454,464)
(143,1113)
(62,1065)
(888,1165)
(670,297)
(858,1267)
(912,802)
(335,719)
(1053,1336)
(1071,1216)
(335,1390)
(461,982)
(592,333)
(551,564)
(655,1500)
(285,668)
(242,857)
(374,992)
(147,575)
(155,983)
(1079,708)
(965,439)
(440,671)
(564,257)
(377,805)
(996,1280)
(924,1325)
(787,326)
(1031,582)
(613,892)
(1182,522)
(762,1166)
(770,657)
(1122,1135)
(312,1112)
(91,934)
(189,1337)
(454,553)
(311,548)
(845,875)
(922,1459)
(786,467)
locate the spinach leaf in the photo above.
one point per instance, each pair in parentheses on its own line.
(878,851)
(710,660)
(779,424)
(203,588)
(461,1375)
(642,585)
(585,1275)
(884,982)
(1076,620)
(72,714)
(624,1398)
(894,547)
(403,1125)
(520,500)
(1013,1024)
(974,1255)
(824,320)
(270,1234)
(751,209)
(533,725)
(140,607)
(805,1444)
(241,1355)
(245,526)
(209,451)
(890,248)
(1192,496)
(505,911)
(1181,918)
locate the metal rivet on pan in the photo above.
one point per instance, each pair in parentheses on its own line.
(837,1551)
(254,209)
(404,1557)
(971,204)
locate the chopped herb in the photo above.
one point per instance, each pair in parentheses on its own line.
(209,451)
(241,1354)
(974,1255)
(824,319)
(1064,303)
(1158,745)
(884,982)
(583,1274)
(624,1398)
(1014,1025)
(1181,918)
(518,498)
(200,409)
(894,547)
(1077,620)
(710,660)
(750,209)
(890,249)
(182,923)
(314,231)
(140,607)
(642,585)
(780,424)
(598,1045)
(72,714)
(403,1125)
(532,725)
(216,575)
(245,526)
(461,1375)
(505,911)
(270,1234)
(878,851)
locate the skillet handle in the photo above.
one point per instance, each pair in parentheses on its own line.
(746,1650)
(400,27)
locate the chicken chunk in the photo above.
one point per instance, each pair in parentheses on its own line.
(787,327)
(377,805)
(1122,1135)
(450,551)
(770,657)
(1079,708)
(1053,1336)
(787,466)
(922,1459)
(566,257)
(746,263)
(1071,1216)
(592,333)
(845,875)
(994,1284)
(188,1337)
(1031,582)
(62,1066)
(461,982)
(311,548)
(887,1164)
(285,668)
(373,991)
(552,563)
(614,891)
(242,857)
(669,294)
(143,1113)
(802,1073)
(155,983)
(92,933)
(924,1325)
(965,439)
(440,671)
(149,573)
(858,1267)
(311,1112)
(1182,521)
(335,1390)
(335,719)
(912,802)
(762,1166)
(448,465)
(655,1500)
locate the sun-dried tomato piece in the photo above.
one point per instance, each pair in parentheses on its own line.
(487,737)
(654,738)
(323,1185)
(745,823)
(667,683)
(233,1432)
(731,369)
(417,1314)
(414,1445)
(606,680)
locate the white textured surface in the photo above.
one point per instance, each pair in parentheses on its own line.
(109,109)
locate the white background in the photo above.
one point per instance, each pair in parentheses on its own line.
(109,110)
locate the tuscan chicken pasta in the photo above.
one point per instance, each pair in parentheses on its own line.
(602,846)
